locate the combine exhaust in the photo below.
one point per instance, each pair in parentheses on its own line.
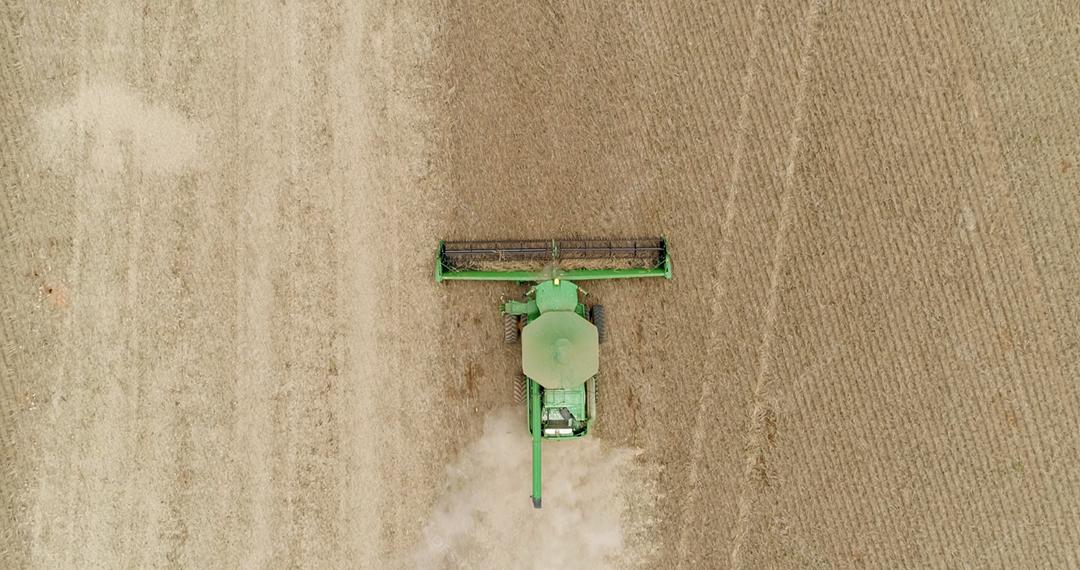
(540,260)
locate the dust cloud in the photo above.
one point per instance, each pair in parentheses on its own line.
(598,505)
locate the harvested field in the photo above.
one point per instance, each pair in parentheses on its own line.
(221,344)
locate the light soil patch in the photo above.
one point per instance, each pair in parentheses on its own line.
(110,118)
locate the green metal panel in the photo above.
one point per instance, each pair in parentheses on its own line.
(556,295)
(534,427)
(560,349)
(519,308)
(573,399)
(590,402)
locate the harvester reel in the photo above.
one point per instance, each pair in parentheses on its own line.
(510,328)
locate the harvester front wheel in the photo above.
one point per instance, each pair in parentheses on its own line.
(597,312)
(510,328)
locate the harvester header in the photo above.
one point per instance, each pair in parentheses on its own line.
(574,260)
(560,333)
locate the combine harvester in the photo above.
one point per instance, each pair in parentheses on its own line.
(560,335)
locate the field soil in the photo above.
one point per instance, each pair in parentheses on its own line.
(221,344)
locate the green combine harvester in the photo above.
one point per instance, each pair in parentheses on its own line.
(560,334)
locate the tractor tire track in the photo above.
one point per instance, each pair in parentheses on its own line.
(705,399)
(761,433)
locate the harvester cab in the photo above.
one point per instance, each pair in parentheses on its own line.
(560,334)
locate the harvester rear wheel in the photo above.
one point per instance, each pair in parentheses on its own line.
(521,389)
(597,313)
(510,328)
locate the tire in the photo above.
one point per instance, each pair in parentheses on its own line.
(521,389)
(597,313)
(510,329)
